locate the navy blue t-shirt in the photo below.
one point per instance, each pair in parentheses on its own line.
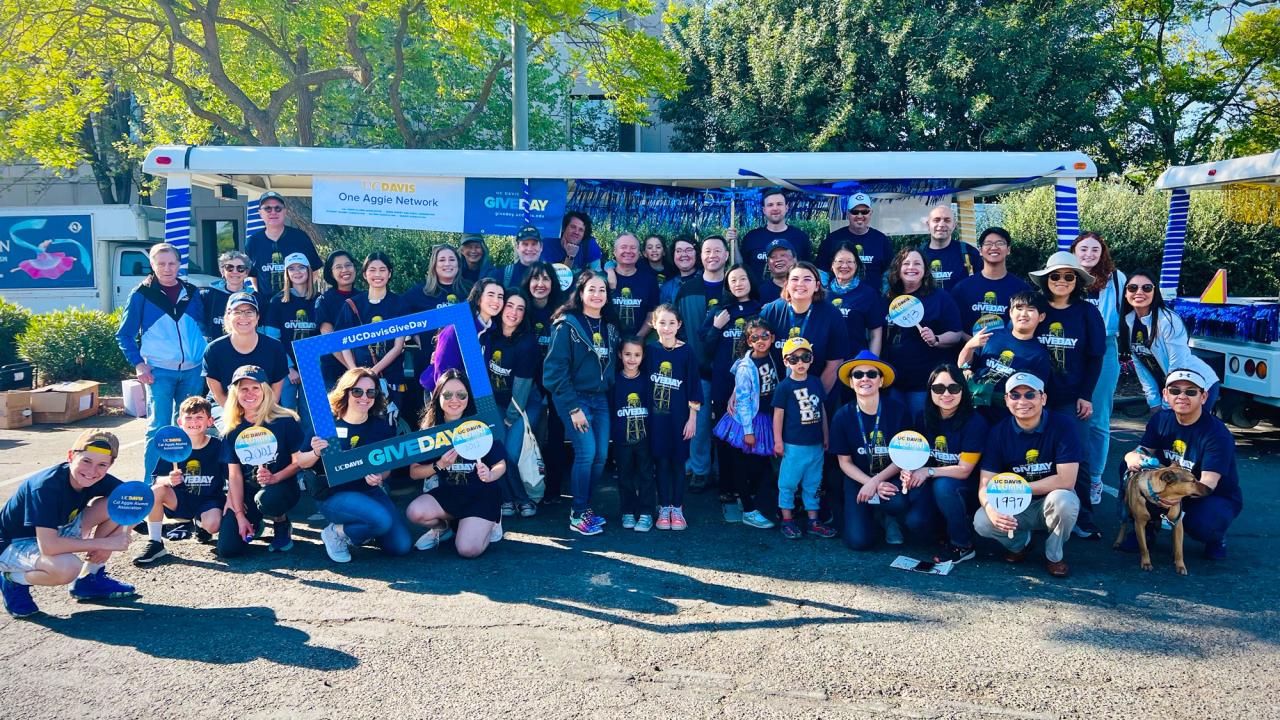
(867,444)
(768,291)
(633,299)
(417,300)
(977,296)
(289,440)
(725,345)
(294,320)
(630,399)
(266,259)
(769,376)
(328,306)
(802,407)
(1001,357)
(907,352)
(957,261)
(203,472)
(875,251)
(676,383)
(351,436)
(821,325)
(952,437)
(1072,336)
(1034,455)
(863,308)
(463,472)
(221,359)
(47,500)
(754,246)
(1204,445)
(510,358)
(367,313)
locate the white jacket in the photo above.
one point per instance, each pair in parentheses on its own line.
(1170,350)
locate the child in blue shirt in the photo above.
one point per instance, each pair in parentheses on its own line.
(632,396)
(800,438)
(672,368)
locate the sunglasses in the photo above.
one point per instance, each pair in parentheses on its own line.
(940,389)
(271,208)
(449,395)
(361,392)
(1062,277)
(1189,392)
(757,337)
(1029,395)
(859,212)
(1134,287)
(869,374)
(800,357)
(236,268)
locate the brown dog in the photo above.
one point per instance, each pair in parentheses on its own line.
(1142,495)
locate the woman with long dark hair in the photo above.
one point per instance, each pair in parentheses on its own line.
(512,355)
(542,287)
(374,305)
(957,434)
(915,351)
(1156,338)
(485,300)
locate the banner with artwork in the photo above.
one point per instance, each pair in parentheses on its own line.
(46,251)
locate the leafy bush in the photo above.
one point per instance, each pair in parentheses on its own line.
(13,321)
(74,344)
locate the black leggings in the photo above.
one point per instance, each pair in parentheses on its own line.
(747,476)
(270,501)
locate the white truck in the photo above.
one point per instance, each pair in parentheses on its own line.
(53,258)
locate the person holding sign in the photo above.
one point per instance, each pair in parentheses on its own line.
(243,345)
(916,348)
(860,441)
(54,516)
(467,493)
(261,448)
(988,292)
(991,357)
(189,481)
(358,511)
(1042,447)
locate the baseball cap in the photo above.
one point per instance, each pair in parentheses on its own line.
(857,199)
(99,441)
(242,298)
(249,372)
(1190,376)
(794,344)
(471,237)
(297,259)
(779,243)
(1024,378)
(270,195)
(528,232)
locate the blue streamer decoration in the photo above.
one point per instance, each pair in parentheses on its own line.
(1249,323)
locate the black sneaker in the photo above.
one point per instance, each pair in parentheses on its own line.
(698,484)
(180,532)
(954,554)
(204,537)
(153,551)
(1087,529)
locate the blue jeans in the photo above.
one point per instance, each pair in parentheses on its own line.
(700,446)
(801,468)
(913,399)
(590,449)
(366,516)
(916,510)
(1097,441)
(1208,518)
(512,485)
(957,499)
(164,396)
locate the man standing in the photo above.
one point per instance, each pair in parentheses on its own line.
(949,261)
(780,257)
(1044,449)
(634,292)
(875,249)
(268,247)
(753,249)
(691,303)
(988,292)
(1187,436)
(54,516)
(161,336)
(528,252)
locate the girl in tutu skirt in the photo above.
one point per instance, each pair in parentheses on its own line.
(746,429)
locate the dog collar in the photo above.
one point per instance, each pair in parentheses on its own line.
(1153,495)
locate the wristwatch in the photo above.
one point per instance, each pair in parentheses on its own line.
(932,472)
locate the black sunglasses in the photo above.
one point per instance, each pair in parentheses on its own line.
(859,374)
(1145,287)
(799,358)
(272,208)
(939,389)
(236,268)
(1015,395)
(757,337)
(1189,392)
(859,212)
(449,395)
(1062,277)
(361,392)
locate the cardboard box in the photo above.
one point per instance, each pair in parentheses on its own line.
(15,409)
(135,398)
(65,402)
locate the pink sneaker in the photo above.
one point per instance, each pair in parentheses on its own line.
(664,518)
(677,519)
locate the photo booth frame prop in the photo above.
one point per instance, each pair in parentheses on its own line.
(420,446)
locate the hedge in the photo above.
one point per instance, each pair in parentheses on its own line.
(74,344)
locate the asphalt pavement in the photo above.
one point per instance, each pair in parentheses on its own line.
(718,621)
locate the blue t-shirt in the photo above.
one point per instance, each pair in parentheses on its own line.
(510,275)
(755,244)
(863,308)
(953,263)
(630,400)
(977,296)
(768,291)
(953,437)
(875,251)
(510,358)
(293,320)
(328,306)
(633,299)
(417,299)
(47,500)
(725,345)
(367,313)
(1204,445)
(867,444)
(203,472)
(1076,341)
(907,352)
(801,405)
(588,254)
(676,383)
(1001,357)
(266,259)
(1034,455)
(289,440)
(821,325)
(221,359)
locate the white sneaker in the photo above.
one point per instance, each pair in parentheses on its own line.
(430,484)
(1095,491)
(495,534)
(893,531)
(433,537)
(335,544)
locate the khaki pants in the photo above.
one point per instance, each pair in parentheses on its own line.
(1054,513)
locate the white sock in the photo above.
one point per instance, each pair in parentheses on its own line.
(154,528)
(91,568)
(19,577)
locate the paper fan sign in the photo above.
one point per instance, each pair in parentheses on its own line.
(909,450)
(130,503)
(988,321)
(473,440)
(1009,493)
(906,311)
(256,446)
(563,275)
(171,444)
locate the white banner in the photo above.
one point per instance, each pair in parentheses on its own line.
(389,202)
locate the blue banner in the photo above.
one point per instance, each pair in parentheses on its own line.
(503,206)
(46,251)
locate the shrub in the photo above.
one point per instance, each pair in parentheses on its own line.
(13,321)
(74,344)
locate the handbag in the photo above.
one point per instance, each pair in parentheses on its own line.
(532,469)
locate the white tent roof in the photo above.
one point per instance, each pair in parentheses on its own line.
(290,170)
(1207,176)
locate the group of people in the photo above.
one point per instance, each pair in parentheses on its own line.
(775,380)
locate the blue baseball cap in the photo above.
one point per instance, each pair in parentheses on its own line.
(779,243)
(242,298)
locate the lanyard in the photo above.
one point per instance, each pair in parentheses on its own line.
(869,442)
(791,314)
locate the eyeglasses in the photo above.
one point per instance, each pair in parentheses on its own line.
(869,374)
(1028,395)
(236,268)
(800,357)
(449,395)
(1135,287)
(271,208)
(757,337)
(361,392)
(995,244)
(1062,277)
(940,389)
(859,212)
(246,312)
(1189,392)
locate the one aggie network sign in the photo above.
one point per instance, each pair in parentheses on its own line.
(421,446)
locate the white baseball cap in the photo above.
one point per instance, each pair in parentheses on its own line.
(297,259)
(857,199)
(1190,376)
(1024,378)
